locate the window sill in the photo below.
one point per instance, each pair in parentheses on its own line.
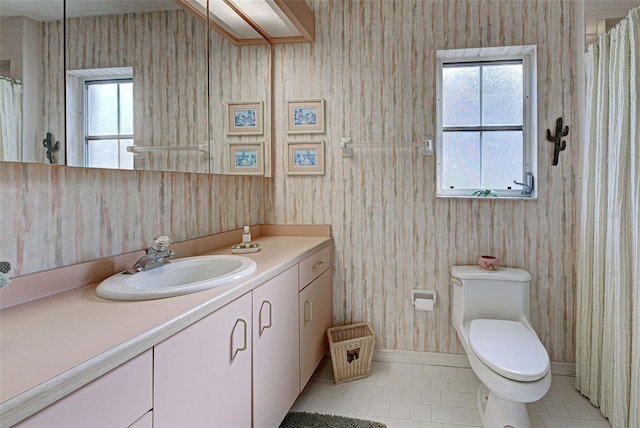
(490,198)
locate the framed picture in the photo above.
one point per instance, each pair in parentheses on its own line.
(245,118)
(306,116)
(246,158)
(305,158)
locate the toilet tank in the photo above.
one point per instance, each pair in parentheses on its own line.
(499,294)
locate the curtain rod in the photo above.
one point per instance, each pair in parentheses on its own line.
(11,79)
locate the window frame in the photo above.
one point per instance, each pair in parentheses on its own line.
(500,55)
(75,107)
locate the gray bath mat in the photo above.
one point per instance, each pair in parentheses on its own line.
(316,420)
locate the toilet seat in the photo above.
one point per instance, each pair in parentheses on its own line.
(509,348)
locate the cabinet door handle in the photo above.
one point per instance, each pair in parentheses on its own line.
(234,352)
(318,265)
(260,326)
(310,304)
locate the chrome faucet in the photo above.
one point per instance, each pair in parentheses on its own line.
(155,256)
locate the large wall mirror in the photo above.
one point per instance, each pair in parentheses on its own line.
(148,85)
(31,81)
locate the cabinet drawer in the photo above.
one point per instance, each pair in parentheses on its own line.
(313,266)
(117,399)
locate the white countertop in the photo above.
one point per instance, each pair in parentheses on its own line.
(53,346)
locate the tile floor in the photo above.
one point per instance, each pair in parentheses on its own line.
(421,396)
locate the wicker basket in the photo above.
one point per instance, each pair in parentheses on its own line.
(351,351)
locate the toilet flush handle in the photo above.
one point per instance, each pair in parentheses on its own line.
(456,281)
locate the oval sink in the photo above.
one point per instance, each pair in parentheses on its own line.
(181,276)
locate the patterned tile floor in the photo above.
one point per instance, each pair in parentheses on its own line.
(421,396)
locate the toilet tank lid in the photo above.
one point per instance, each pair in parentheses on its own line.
(500,274)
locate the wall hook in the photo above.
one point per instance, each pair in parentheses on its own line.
(557,139)
(50,146)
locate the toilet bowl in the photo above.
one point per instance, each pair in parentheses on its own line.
(490,312)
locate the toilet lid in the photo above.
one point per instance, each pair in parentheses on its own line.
(509,348)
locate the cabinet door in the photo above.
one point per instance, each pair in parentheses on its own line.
(126,388)
(202,375)
(275,348)
(315,319)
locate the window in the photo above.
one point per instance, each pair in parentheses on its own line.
(108,123)
(485,121)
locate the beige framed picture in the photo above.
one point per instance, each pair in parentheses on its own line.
(305,158)
(246,158)
(245,118)
(305,116)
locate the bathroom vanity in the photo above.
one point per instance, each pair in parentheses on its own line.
(235,355)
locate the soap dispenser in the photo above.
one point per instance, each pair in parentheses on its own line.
(246,246)
(246,235)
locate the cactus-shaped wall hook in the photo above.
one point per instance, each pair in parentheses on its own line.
(557,139)
(50,146)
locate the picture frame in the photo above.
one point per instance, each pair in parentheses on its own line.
(245,118)
(306,116)
(305,158)
(246,158)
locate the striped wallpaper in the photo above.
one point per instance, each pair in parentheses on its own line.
(54,216)
(374,63)
(53,112)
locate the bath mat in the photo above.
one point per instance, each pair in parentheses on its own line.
(316,420)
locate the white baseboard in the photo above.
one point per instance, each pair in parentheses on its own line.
(415,357)
(451,360)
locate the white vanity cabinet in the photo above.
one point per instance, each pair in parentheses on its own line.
(202,374)
(242,365)
(275,348)
(119,398)
(315,307)
(245,364)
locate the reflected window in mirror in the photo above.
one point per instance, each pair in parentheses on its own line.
(101,127)
(109,123)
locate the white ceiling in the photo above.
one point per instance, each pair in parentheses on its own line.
(49,10)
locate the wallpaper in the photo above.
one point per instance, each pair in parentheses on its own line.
(374,64)
(54,216)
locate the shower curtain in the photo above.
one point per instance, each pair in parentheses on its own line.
(10,119)
(608,272)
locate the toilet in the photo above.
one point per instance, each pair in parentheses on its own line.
(490,312)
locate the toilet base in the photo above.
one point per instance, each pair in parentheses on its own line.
(496,412)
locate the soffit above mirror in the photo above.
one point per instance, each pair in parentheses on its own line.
(256,22)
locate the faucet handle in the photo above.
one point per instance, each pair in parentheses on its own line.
(161,242)
(527,187)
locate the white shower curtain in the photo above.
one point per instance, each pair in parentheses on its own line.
(10,120)
(608,272)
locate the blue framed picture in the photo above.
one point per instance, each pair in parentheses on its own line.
(306,116)
(246,158)
(245,118)
(305,158)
